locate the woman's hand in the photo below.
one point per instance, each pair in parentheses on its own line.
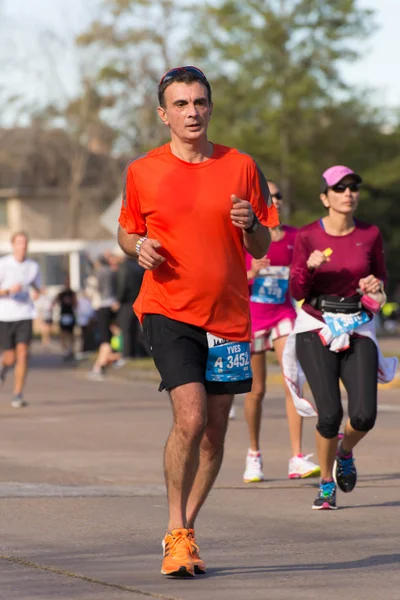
(316,259)
(370,285)
(256,265)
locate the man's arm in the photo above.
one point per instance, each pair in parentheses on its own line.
(13,289)
(36,284)
(128,241)
(256,237)
(257,243)
(146,254)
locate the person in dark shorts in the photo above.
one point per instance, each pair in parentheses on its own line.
(19,285)
(188,209)
(339,270)
(106,274)
(129,280)
(67,303)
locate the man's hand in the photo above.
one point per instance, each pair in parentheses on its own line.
(15,289)
(242,215)
(316,259)
(148,257)
(370,285)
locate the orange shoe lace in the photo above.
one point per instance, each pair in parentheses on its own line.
(194,546)
(180,545)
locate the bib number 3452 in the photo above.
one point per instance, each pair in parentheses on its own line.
(227,360)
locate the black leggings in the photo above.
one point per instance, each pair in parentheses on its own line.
(357,367)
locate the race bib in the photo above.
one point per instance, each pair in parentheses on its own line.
(227,360)
(66,320)
(340,323)
(21,296)
(272,287)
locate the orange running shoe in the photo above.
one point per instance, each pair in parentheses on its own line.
(178,559)
(199,566)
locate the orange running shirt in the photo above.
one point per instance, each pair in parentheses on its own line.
(186,207)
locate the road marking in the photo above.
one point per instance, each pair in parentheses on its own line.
(116,586)
(13,489)
(388,407)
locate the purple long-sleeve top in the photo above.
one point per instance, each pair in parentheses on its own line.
(354,256)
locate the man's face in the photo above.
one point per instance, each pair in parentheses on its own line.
(187,111)
(20,247)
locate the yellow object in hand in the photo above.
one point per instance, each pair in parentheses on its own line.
(327,252)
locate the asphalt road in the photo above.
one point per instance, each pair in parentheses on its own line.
(83,507)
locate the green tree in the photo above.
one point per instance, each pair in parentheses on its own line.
(136,40)
(85,134)
(274,65)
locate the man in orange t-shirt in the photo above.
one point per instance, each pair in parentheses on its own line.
(188,209)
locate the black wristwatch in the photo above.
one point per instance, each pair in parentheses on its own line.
(254,226)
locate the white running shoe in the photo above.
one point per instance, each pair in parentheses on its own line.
(121,362)
(18,401)
(253,472)
(301,467)
(96,375)
(232,413)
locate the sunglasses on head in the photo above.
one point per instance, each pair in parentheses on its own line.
(174,72)
(277,195)
(340,188)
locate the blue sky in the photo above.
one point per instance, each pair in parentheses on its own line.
(59,20)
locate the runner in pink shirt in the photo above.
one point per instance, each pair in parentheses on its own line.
(272,317)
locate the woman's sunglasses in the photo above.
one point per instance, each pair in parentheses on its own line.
(340,188)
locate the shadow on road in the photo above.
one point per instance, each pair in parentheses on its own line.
(364,563)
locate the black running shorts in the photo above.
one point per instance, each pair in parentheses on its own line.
(15,332)
(180,354)
(105,318)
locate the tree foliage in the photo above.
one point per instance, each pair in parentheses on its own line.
(136,42)
(275,65)
(275,71)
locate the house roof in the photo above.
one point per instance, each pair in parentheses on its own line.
(33,157)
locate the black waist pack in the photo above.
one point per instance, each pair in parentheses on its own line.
(337,304)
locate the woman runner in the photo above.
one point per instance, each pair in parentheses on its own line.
(272,317)
(339,270)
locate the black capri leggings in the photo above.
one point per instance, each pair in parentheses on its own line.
(357,367)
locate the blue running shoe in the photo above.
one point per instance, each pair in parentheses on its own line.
(326,499)
(345,473)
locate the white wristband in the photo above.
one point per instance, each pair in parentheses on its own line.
(139,245)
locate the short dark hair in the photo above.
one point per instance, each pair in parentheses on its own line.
(187,77)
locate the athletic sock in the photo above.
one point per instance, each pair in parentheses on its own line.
(253,452)
(343,454)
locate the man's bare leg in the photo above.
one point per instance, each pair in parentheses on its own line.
(7,360)
(181,458)
(211,454)
(21,367)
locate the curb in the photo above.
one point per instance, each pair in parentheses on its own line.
(151,374)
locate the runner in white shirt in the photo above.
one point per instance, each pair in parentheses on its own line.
(19,286)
